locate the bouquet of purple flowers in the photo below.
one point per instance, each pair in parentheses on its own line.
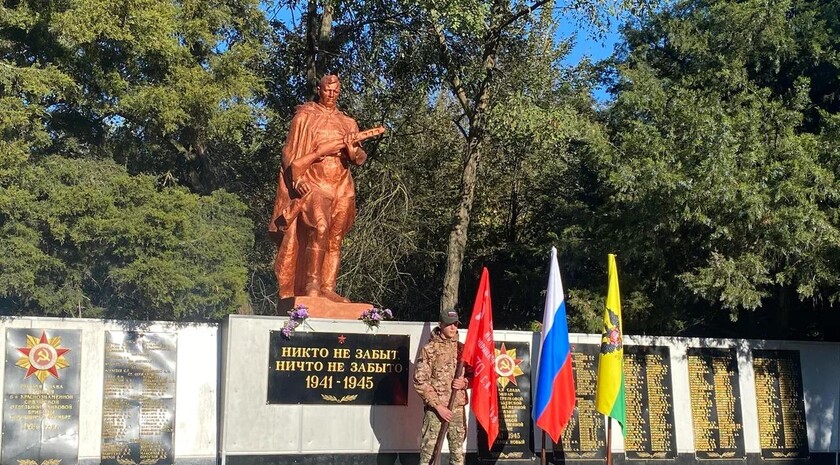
(374,315)
(297,317)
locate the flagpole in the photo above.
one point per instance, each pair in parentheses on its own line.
(609,441)
(542,455)
(444,425)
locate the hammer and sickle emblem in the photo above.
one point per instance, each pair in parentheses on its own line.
(505,364)
(42,356)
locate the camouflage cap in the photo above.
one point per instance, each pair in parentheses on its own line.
(449,316)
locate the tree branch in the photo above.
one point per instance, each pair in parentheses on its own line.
(525,10)
(461,128)
(446,61)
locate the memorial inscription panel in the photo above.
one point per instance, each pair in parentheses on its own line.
(585,437)
(41,396)
(781,404)
(649,401)
(338,368)
(138,406)
(715,403)
(516,435)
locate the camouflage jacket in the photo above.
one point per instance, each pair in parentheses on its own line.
(435,371)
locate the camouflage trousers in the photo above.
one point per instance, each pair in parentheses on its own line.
(456,435)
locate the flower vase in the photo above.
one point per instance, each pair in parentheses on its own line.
(373,329)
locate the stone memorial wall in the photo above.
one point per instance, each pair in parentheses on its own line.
(337,392)
(710,401)
(84,391)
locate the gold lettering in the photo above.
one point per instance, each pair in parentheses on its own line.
(376,354)
(304,352)
(314,382)
(335,366)
(341,353)
(360,382)
(371,367)
(292,365)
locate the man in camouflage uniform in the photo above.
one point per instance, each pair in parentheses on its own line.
(434,380)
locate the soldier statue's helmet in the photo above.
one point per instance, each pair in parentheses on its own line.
(449,316)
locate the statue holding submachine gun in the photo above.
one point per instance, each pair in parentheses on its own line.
(315,204)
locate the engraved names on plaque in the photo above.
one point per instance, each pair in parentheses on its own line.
(715,403)
(780,403)
(649,401)
(41,396)
(516,436)
(138,411)
(585,437)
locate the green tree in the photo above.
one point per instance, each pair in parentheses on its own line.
(721,195)
(158,86)
(84,238)
(165,88)
(471,42)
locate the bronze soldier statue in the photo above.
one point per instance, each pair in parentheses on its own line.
(315,204)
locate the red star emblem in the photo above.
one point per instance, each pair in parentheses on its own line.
(341,339)
(507,366)
(42,356)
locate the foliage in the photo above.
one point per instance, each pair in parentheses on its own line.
(722,193)
(469,54)
(166,88)
(162,87)
(84,238)
(712,173)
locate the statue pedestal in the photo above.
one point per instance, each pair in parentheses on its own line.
(321,307)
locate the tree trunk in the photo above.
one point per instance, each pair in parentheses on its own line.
(474,140)
(322,64)
(513,210)
(458,235)
(318,31)
(472,156)
(312,36)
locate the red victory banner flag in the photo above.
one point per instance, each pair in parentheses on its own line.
(479,353)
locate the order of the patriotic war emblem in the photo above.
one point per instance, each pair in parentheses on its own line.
(42,357)
(611,337)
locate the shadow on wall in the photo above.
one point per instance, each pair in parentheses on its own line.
(821,413)
(821,403)
(382,430)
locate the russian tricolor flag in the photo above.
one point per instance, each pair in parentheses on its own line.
(555,393)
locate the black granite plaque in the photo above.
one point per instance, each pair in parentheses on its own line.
(780,401)
(41,396)
(585,437)
(516,434)
(715,403)
(138,406)
(649,398)
(338,368)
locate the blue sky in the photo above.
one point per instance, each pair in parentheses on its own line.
(588,46)
(596,49)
